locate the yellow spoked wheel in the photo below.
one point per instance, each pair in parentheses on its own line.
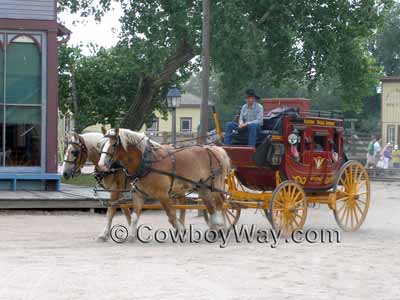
(352,192)
(288,207)
(231,215)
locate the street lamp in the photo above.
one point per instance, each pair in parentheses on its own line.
(174,100)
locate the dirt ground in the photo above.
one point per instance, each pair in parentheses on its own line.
(55,256)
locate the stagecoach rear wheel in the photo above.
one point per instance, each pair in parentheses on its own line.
(352,196)
(231,215)
(288,207)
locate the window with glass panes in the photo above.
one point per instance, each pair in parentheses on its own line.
(20,100)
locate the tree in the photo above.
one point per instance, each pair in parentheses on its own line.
(387,46)
(252,41)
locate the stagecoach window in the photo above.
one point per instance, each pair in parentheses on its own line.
(320,143)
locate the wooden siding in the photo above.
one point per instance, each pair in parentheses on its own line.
(28,9)
(390,109)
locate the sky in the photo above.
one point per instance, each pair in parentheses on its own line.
(87,30)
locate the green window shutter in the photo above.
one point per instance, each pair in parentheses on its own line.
(23,73)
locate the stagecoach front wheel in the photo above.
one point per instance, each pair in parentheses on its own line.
(288,207)
(352,196)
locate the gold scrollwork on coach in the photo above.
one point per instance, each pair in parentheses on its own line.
(300,179)
(316,178)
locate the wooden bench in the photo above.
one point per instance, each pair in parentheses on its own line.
(15,177)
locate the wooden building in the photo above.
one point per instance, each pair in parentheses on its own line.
(391,110)
(29,37)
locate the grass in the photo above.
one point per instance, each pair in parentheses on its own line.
(81,180)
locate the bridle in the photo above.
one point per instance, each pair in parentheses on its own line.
(77,154)
(114,146)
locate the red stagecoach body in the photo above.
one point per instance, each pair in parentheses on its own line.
(320,150)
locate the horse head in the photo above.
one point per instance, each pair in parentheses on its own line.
(124,147)
(75,155)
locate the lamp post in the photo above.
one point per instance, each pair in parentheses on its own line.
(174,101)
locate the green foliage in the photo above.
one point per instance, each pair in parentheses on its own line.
(387,46)
(265,44)
(82,180)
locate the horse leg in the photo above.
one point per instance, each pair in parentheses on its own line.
(127,214)
(110,215)
(171,213)
(137,209)
(214,207)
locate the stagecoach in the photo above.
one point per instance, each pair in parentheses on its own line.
(298,162)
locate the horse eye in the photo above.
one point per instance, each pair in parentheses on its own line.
(75,152)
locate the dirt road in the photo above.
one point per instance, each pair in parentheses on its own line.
(55,256)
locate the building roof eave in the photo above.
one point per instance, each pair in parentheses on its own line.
(390,79)
(63,32)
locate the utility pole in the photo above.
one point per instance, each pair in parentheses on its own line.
(205,74)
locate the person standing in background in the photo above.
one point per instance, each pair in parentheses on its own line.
(396,157)
(371,163)
(377,150)
(387,155)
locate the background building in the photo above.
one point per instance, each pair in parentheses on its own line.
(28,93)
(187,117)
(390,110)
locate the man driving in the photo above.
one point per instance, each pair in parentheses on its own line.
(251,117)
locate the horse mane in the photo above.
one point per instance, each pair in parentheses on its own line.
(92,141)
(133,138)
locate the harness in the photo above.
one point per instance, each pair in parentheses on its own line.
(145,168)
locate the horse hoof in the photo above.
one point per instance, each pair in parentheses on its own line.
(101,239)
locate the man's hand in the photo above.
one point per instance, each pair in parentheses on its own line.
(242,125)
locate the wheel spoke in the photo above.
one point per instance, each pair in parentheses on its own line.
(297,215)
(231,213)
(363,202)
(361,193)
(351,177)
(341,208)
(347,215)
(341,199)
(351,216)
(358,207)
(347,177)
(344,214)
(294,220)
(355,215)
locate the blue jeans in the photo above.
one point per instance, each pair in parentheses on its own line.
(252,128)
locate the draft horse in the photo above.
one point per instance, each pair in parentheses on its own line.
(81,148)
(167,174)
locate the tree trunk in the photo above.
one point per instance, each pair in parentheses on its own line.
(150,87)
(75,101)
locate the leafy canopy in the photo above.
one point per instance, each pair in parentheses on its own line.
(258,42)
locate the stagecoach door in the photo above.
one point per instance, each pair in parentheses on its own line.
(320,154)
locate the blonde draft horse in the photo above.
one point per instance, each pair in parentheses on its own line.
(163,176)
(81,148)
